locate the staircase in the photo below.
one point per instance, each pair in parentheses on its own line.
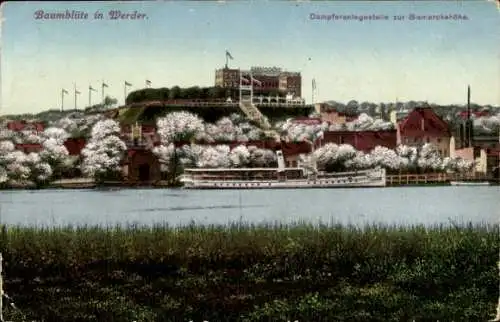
(249,109)
(254,114)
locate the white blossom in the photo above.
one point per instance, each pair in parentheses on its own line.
(408,157)
(179,126)
(59,135)
(215,157)
(385,157)
(6,134)
(262,157)
(429,158)
(54,152)
(165,155)
(39,170)
(104,151)
(333,156)
(240,156)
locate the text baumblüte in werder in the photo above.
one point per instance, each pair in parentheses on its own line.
(83,15)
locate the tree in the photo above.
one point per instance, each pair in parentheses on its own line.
(109,102)
(179,126)
(215,157)
(240,156)
(408,157)
(352,107)
(262,158)
(333,157)
(104,151)
(40,171)
(174,93)
(429,158)
(385,158)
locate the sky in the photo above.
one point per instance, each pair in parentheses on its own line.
(182,43)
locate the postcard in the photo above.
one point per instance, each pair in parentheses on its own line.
(240,119)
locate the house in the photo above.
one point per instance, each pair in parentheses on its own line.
(141,165)
(21,125)
(307,120)
(330,115)
(484,152)
(75,145)
(139,135)
(29,147)
(464,115)
(362,140)
(423,125)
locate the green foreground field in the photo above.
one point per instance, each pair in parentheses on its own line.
(251,273)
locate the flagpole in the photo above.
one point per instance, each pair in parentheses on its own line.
(102,92)
(75,95)
(62,100)
(90,96)
(125,93)
(312,93)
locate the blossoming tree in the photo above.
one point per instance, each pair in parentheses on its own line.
(104,151)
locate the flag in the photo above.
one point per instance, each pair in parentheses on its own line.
(77,92)
(92,89)
(148,82)
(127,84)
(256,81)
(104,85)
(244,80)
(228,55)
(64,91)
(314,84)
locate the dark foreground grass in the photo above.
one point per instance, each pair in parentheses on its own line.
(252,273)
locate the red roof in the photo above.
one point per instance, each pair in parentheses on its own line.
(463,114)
(75,145)
(362,140)
(29,147)
(422,121)
(21,125)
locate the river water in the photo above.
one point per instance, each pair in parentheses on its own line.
(388,206)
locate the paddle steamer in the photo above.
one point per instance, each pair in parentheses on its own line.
(303,176)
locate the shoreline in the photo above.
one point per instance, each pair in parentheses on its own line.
(93,185)
(88,183)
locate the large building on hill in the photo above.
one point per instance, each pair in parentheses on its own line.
(270,80)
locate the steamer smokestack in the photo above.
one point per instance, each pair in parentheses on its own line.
(468,102)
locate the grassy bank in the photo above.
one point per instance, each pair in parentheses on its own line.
(252,273)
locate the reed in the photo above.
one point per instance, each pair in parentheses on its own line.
(247,272)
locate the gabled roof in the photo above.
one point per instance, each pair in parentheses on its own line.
(422,121)
(21,125)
